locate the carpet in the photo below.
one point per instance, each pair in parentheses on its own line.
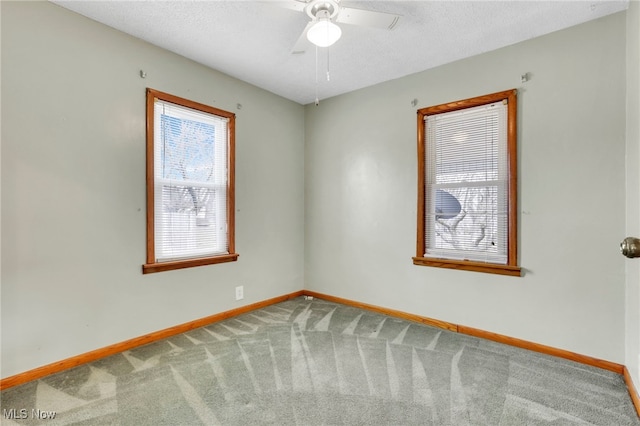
(313,362)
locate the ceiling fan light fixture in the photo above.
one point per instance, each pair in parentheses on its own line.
(324,33)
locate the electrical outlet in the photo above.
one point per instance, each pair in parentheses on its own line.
(240,292)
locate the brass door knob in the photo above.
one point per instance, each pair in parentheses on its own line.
(630,247)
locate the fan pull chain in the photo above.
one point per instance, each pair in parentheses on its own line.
(328,73)
(317,100)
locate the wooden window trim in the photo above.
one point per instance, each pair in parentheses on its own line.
(511,267)
(151,265)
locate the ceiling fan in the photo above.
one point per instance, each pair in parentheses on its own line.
(322,29)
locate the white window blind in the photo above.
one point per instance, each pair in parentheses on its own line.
(190,182)
(466,184)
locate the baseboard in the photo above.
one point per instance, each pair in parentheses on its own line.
(536,347)
(94,355)
(633,391)
(385,311)
(543,349)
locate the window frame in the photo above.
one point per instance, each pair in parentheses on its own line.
(511,268)
(152,265)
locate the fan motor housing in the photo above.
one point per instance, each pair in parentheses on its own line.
(316,6)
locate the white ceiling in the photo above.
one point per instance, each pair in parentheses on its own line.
(252,40)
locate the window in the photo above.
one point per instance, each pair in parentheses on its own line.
(467,185)
(190,184)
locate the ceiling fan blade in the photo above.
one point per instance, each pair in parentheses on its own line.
(367,18)
(291,4)
(302,42)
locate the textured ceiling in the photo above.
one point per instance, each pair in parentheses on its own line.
(252,40)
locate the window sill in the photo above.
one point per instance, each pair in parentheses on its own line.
(466,265)
(149,268)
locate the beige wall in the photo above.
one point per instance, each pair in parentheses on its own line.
(633,190)
(73,189)
(72,198)
(360,206)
